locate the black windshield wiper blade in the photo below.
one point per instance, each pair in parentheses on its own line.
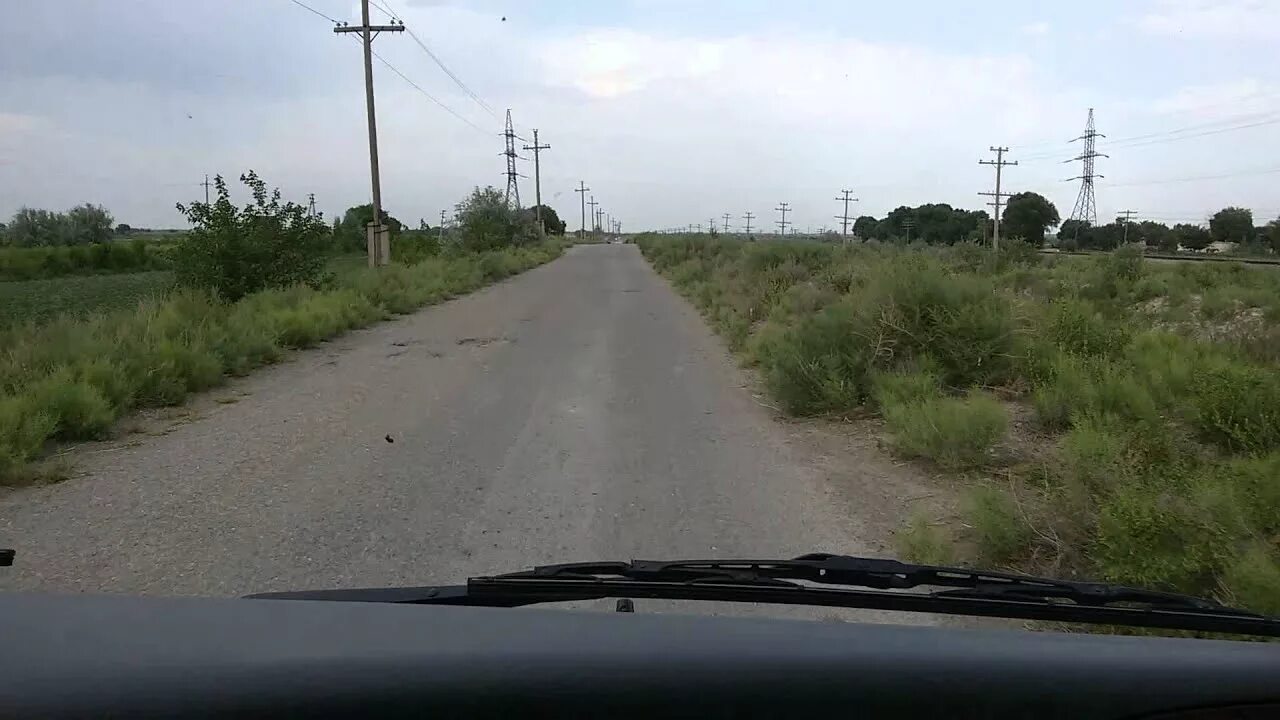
(975,592)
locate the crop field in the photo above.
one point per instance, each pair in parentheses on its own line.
(1103,418)
(41,300)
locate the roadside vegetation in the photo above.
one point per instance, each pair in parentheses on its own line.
(250,284)
(1106,417)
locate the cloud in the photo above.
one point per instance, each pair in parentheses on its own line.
(1224,19)
(1035,29)
(1218,100)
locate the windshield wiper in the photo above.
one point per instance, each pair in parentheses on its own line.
(791,582)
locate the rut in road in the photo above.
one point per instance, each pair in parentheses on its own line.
(580,411)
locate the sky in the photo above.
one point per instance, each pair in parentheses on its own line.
(673,112)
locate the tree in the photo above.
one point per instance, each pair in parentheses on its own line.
(1074,232)
(1192,237)
(486,221)
(1231,224)
(88,224)
(237,251)
(350,233)
(1155,235)
(123,229)
(865,226)
(1273,235)
(1027,215)
(550,220)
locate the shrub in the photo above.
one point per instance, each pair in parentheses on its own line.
(901,387)
(922,541)
(1252,580)
(1000,532)
(819,365)
(1237,406)
(235,252)
(955,433)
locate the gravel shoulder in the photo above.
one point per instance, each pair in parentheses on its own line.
(580,411)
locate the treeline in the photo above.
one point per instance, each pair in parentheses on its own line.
(81,225)
(1029,217)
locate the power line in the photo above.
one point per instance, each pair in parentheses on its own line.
(1175,135)
(429,96)
(1263,171)
(304,6)
(452,76)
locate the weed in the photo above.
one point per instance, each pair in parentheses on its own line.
(999,530)
(955,433)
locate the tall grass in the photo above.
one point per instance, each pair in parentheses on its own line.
(71,378)
(1156,389)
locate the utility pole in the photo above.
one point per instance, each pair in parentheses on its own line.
(442,228)
(378,244)
(725,227)
(711,226)
(782,224)
(599,221)
(748,217)
(999,164)
(206,188)
(909,225)
(537,179)
(844,219)
(1128,215)
(582,191)
(595,218)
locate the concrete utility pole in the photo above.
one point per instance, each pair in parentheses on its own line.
(599,221)
(748,217)
(378,244)
(1128,215)
(844,219)
(206,188)
(999,164)
(595,218)
(582,192)
(537,179)
(725,228)
(782,224)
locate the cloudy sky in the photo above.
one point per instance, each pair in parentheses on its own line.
(672,111)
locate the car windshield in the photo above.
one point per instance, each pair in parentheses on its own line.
(331,294)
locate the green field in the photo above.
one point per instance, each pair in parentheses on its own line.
(1100,417)
(41,300)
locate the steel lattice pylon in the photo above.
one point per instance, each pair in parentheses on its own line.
(1086,208)
(513,187)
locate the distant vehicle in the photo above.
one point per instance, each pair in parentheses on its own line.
(473,651)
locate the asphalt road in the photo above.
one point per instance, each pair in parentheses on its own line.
(581,411)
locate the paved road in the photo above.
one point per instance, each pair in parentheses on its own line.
(579,411)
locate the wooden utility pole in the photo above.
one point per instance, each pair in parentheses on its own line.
(844,219)
(725,227)
(1128,215)
(782,224)
(537,179)
(748,217)
(378,245)
(595,218)
(582,192)
(999,164)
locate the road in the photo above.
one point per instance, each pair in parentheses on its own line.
(581,411)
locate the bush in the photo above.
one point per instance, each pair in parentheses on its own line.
(902,387)
(235,252)
(1000,532)
(921,541)
(820,365)
(955,433)
(1237,406)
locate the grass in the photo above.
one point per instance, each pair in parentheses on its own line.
(72,377)
(41,300)
(1155,389)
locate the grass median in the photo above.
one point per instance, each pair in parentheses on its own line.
(71,378)
(1150,453)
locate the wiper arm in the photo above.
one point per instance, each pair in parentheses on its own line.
(975,592)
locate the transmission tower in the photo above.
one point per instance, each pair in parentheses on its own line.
(1086,208)
(513,187)
(782,224)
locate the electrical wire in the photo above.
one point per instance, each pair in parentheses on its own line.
(304,6)
(1167,136)
(1261,171)
(428,95)
(440,63)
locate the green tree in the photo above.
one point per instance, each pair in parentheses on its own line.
(1232,224)
(1192,237)
(237,251)
(88,224)
(486,221)
(1073,234)
(1027,215)
(1155,235)
(1273,235)
(865,227)
(550,220)
(123,229)
(350,233)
